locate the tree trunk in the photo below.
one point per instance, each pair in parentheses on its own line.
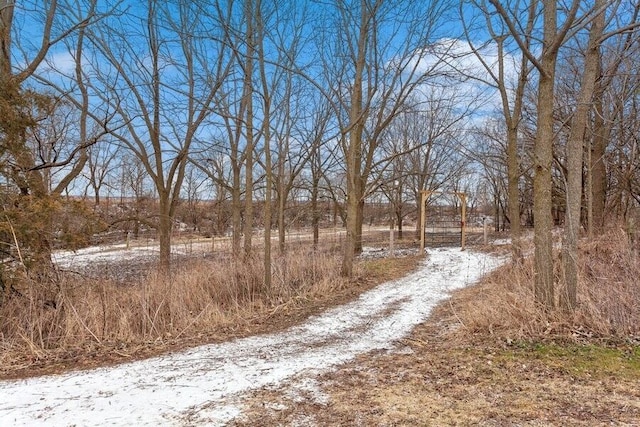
(598,169)
(315,214)
(164,236)
(248,198)
(236,213)
(542,188)
(359,219)
(282,230)
(574,155)
(353,240)
(542,162)
(266,131)
(350,240)
(513,190)
(248,103)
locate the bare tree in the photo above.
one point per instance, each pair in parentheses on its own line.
(163,73)
(100,164)
(617,49)
(423,148)
(320,160)
(498,69)
(372,72)
(553,37)
(618,126)
(136,207)
(574,155)
(236,135)
(215,166)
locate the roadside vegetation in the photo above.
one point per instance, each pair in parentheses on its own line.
(88,321)
(608,295)
(489,357)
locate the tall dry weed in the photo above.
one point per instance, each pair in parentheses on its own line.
(608,298)
(200,298)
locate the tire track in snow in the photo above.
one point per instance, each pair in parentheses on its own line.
(205,384)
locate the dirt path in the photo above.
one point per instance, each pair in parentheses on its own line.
(207,385)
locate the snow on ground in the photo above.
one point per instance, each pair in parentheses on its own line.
(206,385)
(120,252)
(501,242)
(109,253)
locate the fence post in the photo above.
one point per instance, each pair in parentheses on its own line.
(484,230)
(423,217)
(391,236)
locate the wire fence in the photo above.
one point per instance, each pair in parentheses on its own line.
(189,243)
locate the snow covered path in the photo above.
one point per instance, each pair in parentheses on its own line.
(205,385)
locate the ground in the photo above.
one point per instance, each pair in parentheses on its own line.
(431,381)
(389,357)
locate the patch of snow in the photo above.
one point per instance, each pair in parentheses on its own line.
(94,254)
(374,253)
(120,252)
(205,385)
(275,406)
(501,242)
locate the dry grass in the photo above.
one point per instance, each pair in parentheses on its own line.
(84,323)
(489,357)
(431,383)
(608,292)
(201,298)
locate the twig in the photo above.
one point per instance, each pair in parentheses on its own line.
(456,314)
(192,322)
(75,312)
(418,342)
(15,241)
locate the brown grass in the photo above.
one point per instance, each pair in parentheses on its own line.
(201,298)
(88,322)
(608,292)
(489,357)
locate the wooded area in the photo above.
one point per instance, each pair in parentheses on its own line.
(242,117)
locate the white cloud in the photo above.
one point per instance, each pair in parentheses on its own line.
(61,62)
(453,63)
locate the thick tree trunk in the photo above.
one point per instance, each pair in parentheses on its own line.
(542,188)
(351,236)
(353,241)
(574,155)
(164,236)
(354,199)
